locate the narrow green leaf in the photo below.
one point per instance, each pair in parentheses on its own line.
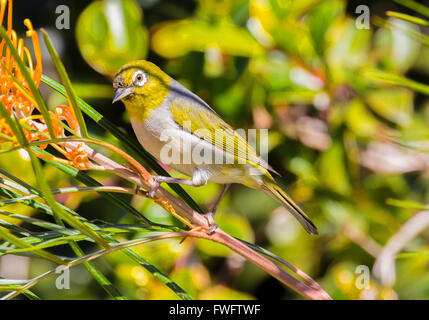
(397,80)
(130,253)
(21,244)
(66,82)
(49,243)
(12,124)
(99,277)
(18,229)
(415,254)
(406,204)
(39,223)
(31,295)
(158,274)
(406,17)
(414,5)
(15,182)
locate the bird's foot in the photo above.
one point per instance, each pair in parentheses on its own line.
(209,230)
(212,224)
(156,183)
(157,180)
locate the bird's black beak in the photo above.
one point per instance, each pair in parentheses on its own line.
(122,93)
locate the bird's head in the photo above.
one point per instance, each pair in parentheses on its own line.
(141,84)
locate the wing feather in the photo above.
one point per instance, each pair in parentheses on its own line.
(210,127)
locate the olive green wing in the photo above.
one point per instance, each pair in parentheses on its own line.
(208,126)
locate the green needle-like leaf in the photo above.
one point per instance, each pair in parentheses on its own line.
(130,253)
(414,5)
(397,80)
(5,235)
(408,18)
(67,83)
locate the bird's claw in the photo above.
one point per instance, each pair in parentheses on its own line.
(212,224)
(152,192)
(209,216)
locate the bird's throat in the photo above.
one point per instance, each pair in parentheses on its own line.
(140,106)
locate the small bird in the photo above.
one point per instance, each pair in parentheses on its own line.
(172,123)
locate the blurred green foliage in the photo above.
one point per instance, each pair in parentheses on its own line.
(333,98)
(110,34)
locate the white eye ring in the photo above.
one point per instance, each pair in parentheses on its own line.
(139,78)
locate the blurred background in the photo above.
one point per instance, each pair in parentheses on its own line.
(345,99)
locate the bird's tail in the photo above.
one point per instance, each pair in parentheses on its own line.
(275,192)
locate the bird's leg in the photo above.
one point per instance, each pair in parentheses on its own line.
(199,178)
(209,215)
(161,179)
(134,169)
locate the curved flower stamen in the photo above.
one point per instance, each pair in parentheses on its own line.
(38,53)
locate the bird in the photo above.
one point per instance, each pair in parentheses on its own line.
(181,130)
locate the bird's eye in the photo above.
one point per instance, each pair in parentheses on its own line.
(139,78)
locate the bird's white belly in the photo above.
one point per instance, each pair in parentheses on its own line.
(161,136)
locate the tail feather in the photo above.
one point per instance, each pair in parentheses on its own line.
(274,191)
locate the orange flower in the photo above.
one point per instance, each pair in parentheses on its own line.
(20,103)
